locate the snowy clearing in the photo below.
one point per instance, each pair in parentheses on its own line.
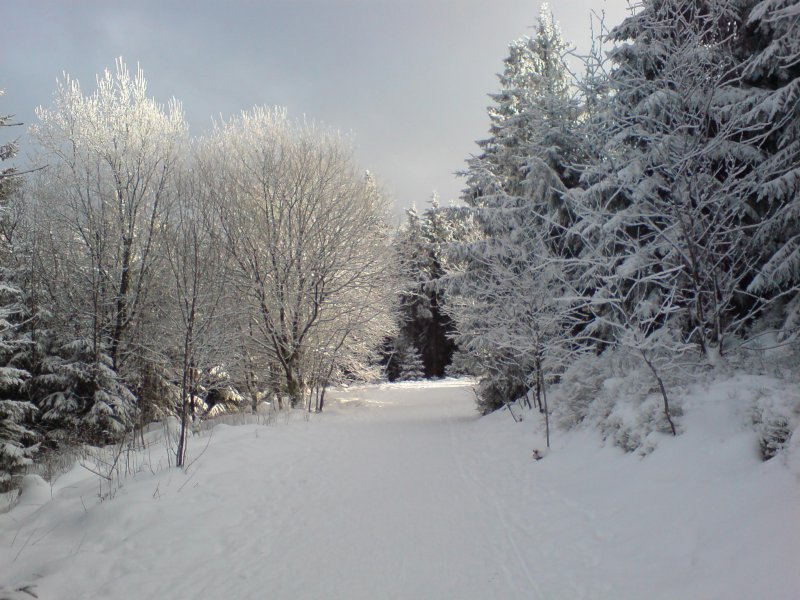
(402,491)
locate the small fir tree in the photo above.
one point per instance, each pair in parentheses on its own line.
(411,367)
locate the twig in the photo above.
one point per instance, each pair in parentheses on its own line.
(513,416)
(25,544)
(188,479)
(80,544)
(196,458)
(96,472)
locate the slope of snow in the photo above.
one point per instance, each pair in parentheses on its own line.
(402,491)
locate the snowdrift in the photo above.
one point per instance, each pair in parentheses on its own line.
(403,491)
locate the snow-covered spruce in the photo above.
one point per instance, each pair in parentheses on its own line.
(17,440)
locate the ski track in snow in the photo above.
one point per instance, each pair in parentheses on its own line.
(397,492)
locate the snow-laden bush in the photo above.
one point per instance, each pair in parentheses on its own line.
(579,388)
(773,358)
(616,394)
(775,417)
(497,390)
(462,365)
(775,433)
(631,412)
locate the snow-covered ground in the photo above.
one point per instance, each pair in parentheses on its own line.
(402,491)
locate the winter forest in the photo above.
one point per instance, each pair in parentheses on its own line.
(629,228)
(641,214)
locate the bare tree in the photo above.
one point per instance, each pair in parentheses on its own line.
(100,208)
(305,230)
(197,269)
(111,156)
(345,342)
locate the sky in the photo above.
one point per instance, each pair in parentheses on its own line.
(408,79)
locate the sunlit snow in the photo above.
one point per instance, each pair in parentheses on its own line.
(402,491)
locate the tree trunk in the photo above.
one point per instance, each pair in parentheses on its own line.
(122,306)
(663,389)
(294,388)
(546,410)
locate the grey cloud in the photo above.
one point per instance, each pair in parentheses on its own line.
(408,78)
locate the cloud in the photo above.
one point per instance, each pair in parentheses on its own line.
(408,78)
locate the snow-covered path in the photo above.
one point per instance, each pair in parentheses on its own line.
(380,499)
(403,492)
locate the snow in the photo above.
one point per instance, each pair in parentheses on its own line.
(402,491)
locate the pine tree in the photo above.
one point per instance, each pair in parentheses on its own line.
(419,247)
(81,397)
(662,214)
(16,439)
(410,363)
(502,293)
(533,121)
(769,110)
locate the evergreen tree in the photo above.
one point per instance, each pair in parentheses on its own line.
(80,396)
(502,294)
(769,111)
(533,119)
(423,323)
(16,439)
(408,361)
(661,218)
